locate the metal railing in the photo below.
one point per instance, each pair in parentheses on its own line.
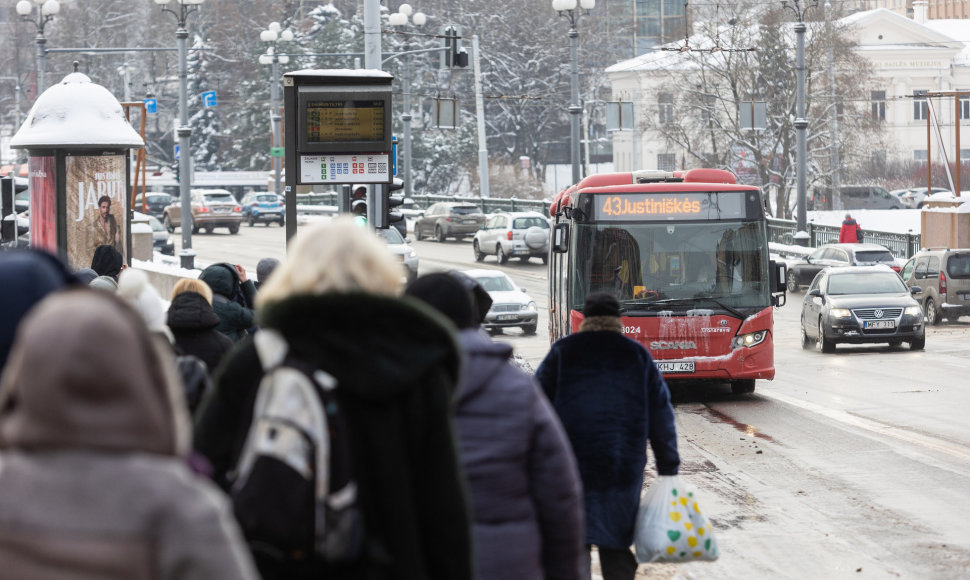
(486,204)
(901,245)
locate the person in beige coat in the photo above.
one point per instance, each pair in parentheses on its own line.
(93,436)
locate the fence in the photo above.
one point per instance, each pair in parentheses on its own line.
(486,204)
(783,232)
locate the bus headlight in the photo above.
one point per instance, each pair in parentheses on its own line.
(749,340)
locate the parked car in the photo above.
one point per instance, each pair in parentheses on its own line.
(511,306)
(449,219)
(854,197)
(861,304)
(264,207)
(802,272)
(161,240)
(410,209)
(401,247)
(520,235)
(914,197)
(944,277)
(153,203)
(211,208)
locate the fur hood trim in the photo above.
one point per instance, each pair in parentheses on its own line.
(593,323)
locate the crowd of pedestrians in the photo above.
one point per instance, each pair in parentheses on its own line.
(126,421)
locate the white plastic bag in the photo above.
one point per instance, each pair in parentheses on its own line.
(670,525)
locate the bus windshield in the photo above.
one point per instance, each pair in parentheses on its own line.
(659,267)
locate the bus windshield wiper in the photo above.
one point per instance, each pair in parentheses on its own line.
(659,304)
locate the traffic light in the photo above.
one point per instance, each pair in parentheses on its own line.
(453,54)
(358,203)
(394,218)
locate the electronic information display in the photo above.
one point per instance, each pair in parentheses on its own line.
(343,121)
(720,205)
(345,168)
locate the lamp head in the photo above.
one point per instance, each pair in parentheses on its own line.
(587,5)
(162,2)
(50,8)
(265,59)
(274,26)
(268,36)
(561,5)
(286,35)
(397,19)
(283,59)
(24,7)
(419,18)
(405,9)
(190,1)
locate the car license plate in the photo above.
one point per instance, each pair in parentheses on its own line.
(507,316)
(468,221)
(678,366)
(221,209)
(876,324)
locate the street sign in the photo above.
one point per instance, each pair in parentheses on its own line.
(151,106)
(176,152)
(345,168)
(394,155)
(209,99)
(277,152)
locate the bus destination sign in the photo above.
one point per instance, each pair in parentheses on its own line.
(689,205)
(344,121)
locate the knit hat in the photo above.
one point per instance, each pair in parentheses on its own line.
(134,287)
(447,295)
(601,304)
(104,283)
(265,267)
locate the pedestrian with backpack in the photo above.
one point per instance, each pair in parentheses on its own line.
(334,330)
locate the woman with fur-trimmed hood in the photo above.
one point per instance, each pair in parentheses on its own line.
(611,399)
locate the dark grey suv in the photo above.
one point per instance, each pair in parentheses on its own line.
(944,277)
(449,219)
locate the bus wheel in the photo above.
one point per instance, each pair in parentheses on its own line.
(742,386)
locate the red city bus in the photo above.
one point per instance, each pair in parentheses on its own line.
(686,254)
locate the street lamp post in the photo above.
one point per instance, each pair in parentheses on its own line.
(801,123)
(400,18)
(272,35)
(568,8)
(46,9)
(185,7)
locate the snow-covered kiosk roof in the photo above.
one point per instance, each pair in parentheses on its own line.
(76,114)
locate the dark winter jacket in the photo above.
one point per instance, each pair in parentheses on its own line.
(396,365)
(193,323)
(850,232)
(522,479)
(611,399)
(234,319)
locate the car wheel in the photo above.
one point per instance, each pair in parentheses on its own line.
(933,315)
(792,282)
(500,254)
(742,386)
(479,255)
(494,331)
(282,222)
(825,345)
(545,259)
(918,343)
(806,342)
(529,329)
(234,229)
(895,343)
(209,230)
(195,230)
(439,235)
(168,224)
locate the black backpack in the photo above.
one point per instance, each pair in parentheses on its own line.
(293,490)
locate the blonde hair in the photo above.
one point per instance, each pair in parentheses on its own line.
(192,285)
(334,256)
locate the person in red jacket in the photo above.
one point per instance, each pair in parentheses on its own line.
(850,233)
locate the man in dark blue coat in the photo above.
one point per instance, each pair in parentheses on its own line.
(611,399)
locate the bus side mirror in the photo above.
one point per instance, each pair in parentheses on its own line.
(560,238)
(777,276)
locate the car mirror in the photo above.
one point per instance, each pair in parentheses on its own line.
(816,292)
(408,240)
(915,290)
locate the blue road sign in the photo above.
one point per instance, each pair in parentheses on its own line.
(394,155)
(209,99)
(151,106)
(176,151)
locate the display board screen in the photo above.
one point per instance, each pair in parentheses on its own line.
(344,121)
(690,205)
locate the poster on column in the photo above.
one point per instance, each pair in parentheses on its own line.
(43,203)
(96,208)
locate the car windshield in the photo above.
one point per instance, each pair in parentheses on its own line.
(875,256)
(391,236)
(465,209)
(866,283)
(220,197)
(529,222)
(495,283)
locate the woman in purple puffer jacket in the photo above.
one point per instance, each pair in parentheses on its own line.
(523,483)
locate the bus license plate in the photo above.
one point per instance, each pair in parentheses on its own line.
(681,366)
(880,324)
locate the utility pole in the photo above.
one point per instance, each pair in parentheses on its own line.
(836,169)
(483,190)
(801,123)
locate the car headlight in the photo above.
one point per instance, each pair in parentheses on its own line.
(840,313)
(531,307)
(412,254)
(749,340)
(913,311)
(170,242)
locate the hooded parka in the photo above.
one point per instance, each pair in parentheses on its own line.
(611,399)
(396,365)
(193,324)
(93,432)
(234,318)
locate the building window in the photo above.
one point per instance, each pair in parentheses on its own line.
(964,106)
(666,108)
(878,99)
(919,155)
(666,161)
(920,107)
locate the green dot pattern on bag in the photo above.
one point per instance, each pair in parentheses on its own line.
(674,491)
(707,544)
(674,535)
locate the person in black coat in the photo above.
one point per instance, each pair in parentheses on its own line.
(611,399)
(193,323)
(233,296)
